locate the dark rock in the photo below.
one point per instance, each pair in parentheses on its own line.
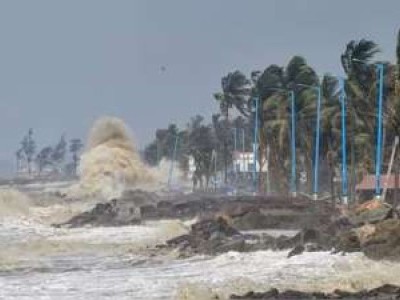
(238,245)
(205,228)
(116,212)
(253,219)
(348,242)
(384,243)
(283,242)
(209,236)
(296,251)
(372,216)
(148,211)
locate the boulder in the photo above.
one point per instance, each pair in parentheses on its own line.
(296,251)
(384,241)
(371,212)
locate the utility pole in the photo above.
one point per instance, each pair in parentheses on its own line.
(293,144)
(378,159)
(255,146)
(344,146)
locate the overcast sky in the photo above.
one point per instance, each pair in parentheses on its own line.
(65,63)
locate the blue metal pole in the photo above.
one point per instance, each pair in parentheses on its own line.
(378,158)
(255,150)
(317,138)
(243,169)
(293,143)
(234,153)
(171,168)
(344,146)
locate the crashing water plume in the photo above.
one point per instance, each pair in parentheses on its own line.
(111,163)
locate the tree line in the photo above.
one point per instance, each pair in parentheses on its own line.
(237,95)
(53,159)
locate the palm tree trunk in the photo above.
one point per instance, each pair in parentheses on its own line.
(331,165)
(29,166)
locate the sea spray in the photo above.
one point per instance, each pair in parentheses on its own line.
(111,163)
(13,203)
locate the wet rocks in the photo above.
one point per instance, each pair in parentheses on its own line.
(106,214)
(384,241)
(209,236)
(384,292)
(372,212)
(379,241)
(243,212)
(118,212)
(214,236)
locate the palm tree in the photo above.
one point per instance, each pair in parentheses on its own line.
(275,117)
(236,89)
(360,89)
(29,148)
(394,107)
(43,158)
(19,157)
(331,126)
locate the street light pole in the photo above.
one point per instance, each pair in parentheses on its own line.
(378,159)
(317,140)
(234,153)
(293,143)
(342,97)
(255,146)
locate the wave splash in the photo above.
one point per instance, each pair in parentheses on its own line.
(111,162)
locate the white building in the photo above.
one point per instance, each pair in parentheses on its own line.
(244,162)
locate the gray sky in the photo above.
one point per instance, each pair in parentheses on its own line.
(65,63)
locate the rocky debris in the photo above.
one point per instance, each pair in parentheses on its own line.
(209,236)
(371,212)
(214,236)
(254,219)
(377,236)
(243,212)
(111,213)
(384,292)
(118,212)
(374,230)
(384,241)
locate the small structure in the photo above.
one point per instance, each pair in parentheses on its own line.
(243,162)
(366,188)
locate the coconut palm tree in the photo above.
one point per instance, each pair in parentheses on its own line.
(360,89)
(275,117)
(236,89)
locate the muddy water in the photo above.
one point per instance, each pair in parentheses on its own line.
(111,263)
(41,262)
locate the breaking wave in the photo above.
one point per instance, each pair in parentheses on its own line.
(111,163)
(13,203)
